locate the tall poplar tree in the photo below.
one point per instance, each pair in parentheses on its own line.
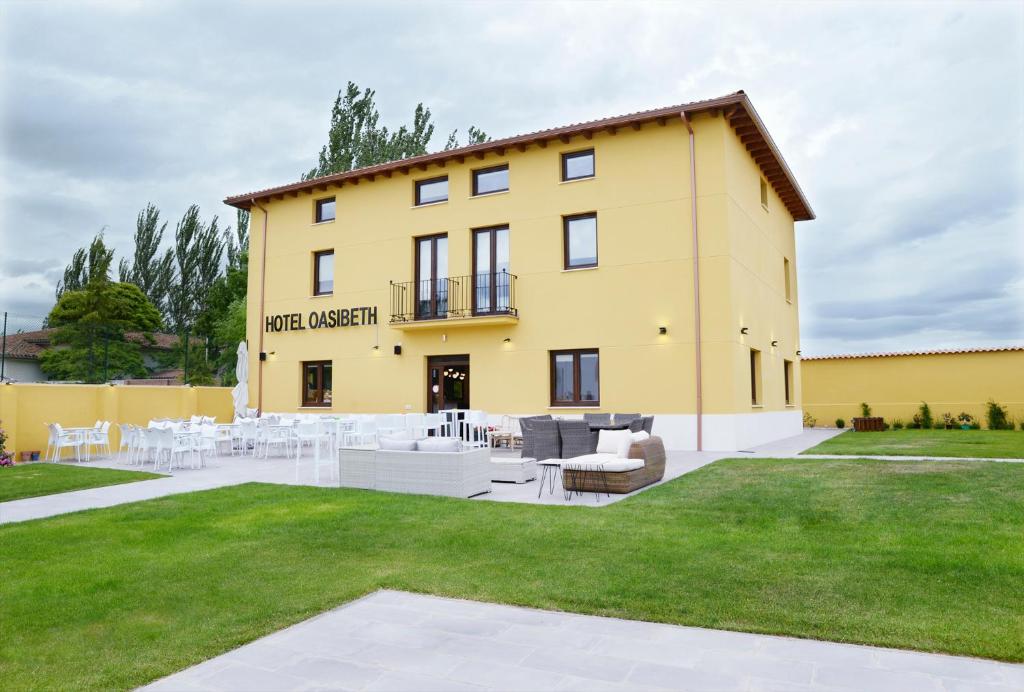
(149,269)
(355,139)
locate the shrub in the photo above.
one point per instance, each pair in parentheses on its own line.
(885,426)
(965,418)
(938,425)
(865,410)
(948,421)
(897,424)
(997,417)
(5,458)
(840,423)
(975,425)
(915,422)
(926,416)
(809,420)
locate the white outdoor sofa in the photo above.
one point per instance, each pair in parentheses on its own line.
(452,474)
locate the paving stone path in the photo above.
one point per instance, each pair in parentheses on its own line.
(394,640)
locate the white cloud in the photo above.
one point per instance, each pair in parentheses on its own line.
(903,123)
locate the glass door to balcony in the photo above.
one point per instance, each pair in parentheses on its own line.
(491,280)
(432,277)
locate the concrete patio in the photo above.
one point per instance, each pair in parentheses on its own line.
(392,640)
(222,471)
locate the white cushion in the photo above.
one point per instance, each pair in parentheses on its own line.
(439,444)
(589,460)
(615,442)
(397,445)
(603,462)
(640,436)
(622,465)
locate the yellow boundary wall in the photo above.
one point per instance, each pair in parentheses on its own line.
(894,386)
(26,408)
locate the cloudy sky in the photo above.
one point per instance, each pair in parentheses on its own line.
(904,124)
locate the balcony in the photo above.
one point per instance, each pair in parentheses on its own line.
(480,299)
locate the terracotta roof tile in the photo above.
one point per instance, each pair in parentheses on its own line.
(28,345)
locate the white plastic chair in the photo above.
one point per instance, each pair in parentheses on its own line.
(207,442)
(474,429)
(415,423)
(366,432)
(66,439)
(99,438)
(433,422)
(306,431)
(389,424)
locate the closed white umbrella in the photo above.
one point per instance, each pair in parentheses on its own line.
(240,394)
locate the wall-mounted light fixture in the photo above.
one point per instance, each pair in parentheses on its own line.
(263,355)
(798,353)
(774,344)
(743,330)
(376,347)
(507,340)
(663,330)
(398,349)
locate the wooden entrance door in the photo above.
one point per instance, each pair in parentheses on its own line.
(447,383)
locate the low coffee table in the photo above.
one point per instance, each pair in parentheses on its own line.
(550,471)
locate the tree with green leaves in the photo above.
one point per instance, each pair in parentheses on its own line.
(86,263)
(89,342)
(150,270)
(475,136)
(237,244)
(355,139)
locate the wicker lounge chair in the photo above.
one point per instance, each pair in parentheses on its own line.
(645,423)
(547,444)
(526,424)
(577,438)
(598,418)
(625,417)
(651,451)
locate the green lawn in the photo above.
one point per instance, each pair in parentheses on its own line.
(987,444)
(32,480)
(917,555)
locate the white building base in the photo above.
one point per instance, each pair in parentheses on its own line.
(722,432)
(727,432)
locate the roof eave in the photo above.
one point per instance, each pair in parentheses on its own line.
(803,212)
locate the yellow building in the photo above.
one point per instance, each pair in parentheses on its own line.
(552,272)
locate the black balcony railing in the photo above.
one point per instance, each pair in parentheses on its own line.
(476,295)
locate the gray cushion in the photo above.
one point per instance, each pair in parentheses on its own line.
(397,445)
(439,444)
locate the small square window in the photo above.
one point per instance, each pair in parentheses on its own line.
(575,378)
(324,210)
(490,180)
(764,193)
(317,383)
(578,165)
(323,273)
(580,241)
(432,191)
